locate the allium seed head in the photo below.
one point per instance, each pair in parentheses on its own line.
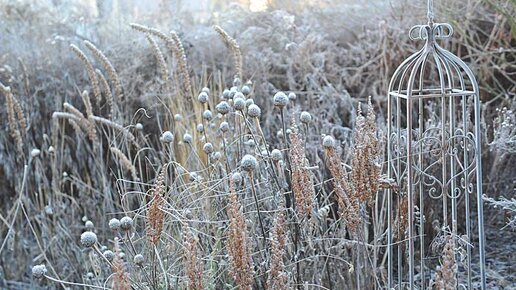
(89,225)
(238,95)
(35,153)
(280,99)
(138,259)
(276,155)
(249,102)
(88,239)
(248,163)
(114,224)
(292,96)
(39,271)
(167,137)
(200,128)
(239,104)
(51,150)
(138,126)
(216,156)
(305,117)
(233,91)
(90,275)
(226,94)
(237,82)
(126,223)
(178,117)
(203,97)
(254,111)
(224,126)
(109,255)
(187,138)
(208,148)
(328,142)
(207,115)
(222,107)
(205,90)
(246,90)
(236,178)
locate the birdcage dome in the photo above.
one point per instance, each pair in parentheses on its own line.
(432,71)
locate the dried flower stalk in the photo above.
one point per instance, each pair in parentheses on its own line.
(302,186)
(193,264)
(231,43)
(156,215)
(278,278)
(91,72)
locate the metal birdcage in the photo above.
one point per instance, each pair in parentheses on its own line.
(434,156)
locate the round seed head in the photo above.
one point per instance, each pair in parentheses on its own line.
(224,126)
(236,178)
(248,163)
(246,90)
(207,115)
(138,259)
(203,97)
(187,138)
(139,126)
(35,153)
(328,142)
(233,91)
(114,224)
(238,95)
(237,82)
(276,155)
(51,150)
(249,102)
(216,156)
(167,137)
(280,99)
(200,128)
(39,271)
(254,111)
(126,223)
(292,96)
(205,90)
(88,239)
(178,117)
(208,148)
(222,107)
(305,117)
(109,255)
(225,93)
(239,103)
(90,275)
(89,225)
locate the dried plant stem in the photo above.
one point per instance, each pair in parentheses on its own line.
(260,219)
(107,90)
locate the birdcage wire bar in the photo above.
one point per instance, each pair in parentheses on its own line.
(434,155)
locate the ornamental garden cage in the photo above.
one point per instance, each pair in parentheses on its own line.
(434,157)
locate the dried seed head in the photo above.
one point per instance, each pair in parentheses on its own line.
(239,104)
(167,137)
(88,239)
(236,178)
(305,117)
(237,82)
(328,142)
(248,163)
(292,96)
(222,107)
(280,100)
(114,224)
(39,271)
(205,90)
(238,95)
(276,155)
(246,90)
(203,97)
(35,153)
(89,225)
(233,91)
(207,115)
(200,128)
(178,117)
(249,102)
(224,126)
(187,138)
(254,111)
(226,94)
(139,260)
(208,148)
(51,150)
(139,126)
(126,223)
(109,255)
